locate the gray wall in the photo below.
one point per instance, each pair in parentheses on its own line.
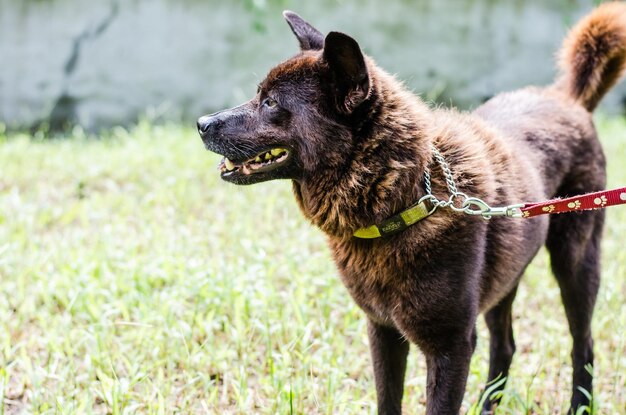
(106,62)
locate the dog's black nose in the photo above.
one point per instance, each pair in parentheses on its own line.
(203,125)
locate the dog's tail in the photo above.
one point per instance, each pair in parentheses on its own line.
(593,55)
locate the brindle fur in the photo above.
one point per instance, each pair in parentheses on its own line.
(360,144)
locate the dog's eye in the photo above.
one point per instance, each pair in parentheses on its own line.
(270,103)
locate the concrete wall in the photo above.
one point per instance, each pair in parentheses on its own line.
(106,62)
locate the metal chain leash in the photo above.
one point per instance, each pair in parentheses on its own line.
(468,205)
(446,170)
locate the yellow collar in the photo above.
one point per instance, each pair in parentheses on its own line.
(413,214)
(397,222)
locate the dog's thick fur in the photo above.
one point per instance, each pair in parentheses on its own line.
(359,144)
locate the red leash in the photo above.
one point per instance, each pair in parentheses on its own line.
(460,202)
(476,206)
(588,201)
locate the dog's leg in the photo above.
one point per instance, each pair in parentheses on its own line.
(448,366)
(574,245)
(501,345)
(445,332)
(389,352)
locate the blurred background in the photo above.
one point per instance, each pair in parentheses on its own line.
(108,62)
(133,280)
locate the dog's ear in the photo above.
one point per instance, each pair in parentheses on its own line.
(348,70)
(309,37)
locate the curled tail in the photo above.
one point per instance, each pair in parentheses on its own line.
(593,55)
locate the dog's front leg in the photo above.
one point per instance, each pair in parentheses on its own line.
(448,366)
(389,351)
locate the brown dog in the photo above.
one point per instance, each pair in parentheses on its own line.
(357,144)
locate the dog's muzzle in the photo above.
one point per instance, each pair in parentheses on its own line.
(212,125)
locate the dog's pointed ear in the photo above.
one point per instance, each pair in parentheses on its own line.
(309,37)
(348,69)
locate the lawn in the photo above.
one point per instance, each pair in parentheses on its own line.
(133,280)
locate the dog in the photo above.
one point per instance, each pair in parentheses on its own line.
(359,149)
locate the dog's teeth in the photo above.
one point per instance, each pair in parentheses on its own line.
(276,151)
(258,159)
(268,156)
(229,164)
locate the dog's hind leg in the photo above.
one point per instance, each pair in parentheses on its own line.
(501,346)
(574,245)
(389,353)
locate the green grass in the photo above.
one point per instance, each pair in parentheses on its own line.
(132,280)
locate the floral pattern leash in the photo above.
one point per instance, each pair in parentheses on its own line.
(476,206)
(588,201)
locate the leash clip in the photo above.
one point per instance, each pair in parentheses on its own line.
(475,206)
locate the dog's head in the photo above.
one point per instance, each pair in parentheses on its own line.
(302,116)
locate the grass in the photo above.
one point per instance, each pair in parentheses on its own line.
(132,280)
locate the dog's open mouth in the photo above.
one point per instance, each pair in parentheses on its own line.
(263,162)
